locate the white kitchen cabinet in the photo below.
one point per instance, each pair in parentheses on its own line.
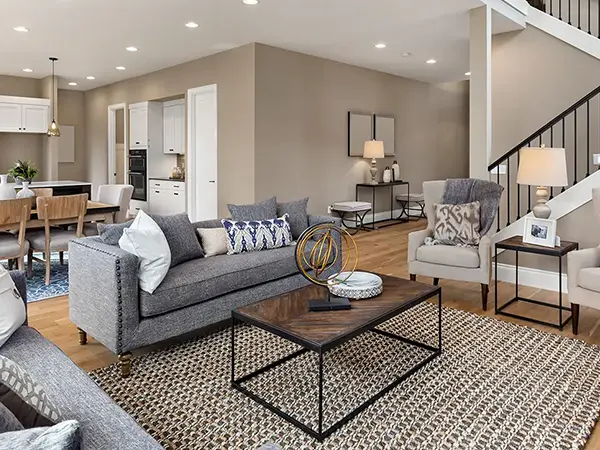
(34,119)
(167,197)
(174,127)
(24,115)
(138,127)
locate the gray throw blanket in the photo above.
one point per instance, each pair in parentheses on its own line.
(466,190)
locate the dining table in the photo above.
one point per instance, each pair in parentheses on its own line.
(96,212)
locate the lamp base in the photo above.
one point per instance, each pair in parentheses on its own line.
(541,210)
(373,171)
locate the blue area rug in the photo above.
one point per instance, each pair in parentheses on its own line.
(36,284)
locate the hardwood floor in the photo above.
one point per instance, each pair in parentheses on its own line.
(382,251)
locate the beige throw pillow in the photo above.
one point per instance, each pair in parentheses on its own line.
(213,240)
(457,224)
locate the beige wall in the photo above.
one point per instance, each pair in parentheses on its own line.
(71,110)
(301,127)
(15,146)
(534,78)
(233,72)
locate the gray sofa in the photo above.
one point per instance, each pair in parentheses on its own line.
(106,302)
(104,424)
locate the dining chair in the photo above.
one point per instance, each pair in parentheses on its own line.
(14,215)
(112,194)
(56,211)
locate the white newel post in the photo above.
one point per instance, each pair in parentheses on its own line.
(480,97)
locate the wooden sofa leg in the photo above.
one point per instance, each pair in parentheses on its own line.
(413,277)
(125,364)
(485,289)
(436,281)
(575,317)
(82,337)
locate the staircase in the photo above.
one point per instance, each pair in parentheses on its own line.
(582,14)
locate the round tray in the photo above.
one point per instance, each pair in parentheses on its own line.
(359,285)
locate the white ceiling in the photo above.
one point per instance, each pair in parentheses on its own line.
(89,36)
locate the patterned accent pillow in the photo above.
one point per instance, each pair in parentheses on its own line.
(253,235)
(456,224)
(25,397)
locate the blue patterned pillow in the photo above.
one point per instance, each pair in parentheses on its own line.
(256,235)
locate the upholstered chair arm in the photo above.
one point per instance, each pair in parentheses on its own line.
(485,257)
(415,240)
(103,292)
(581,259)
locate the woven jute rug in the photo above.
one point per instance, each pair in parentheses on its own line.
(496,386)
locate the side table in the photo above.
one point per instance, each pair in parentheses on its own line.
(517,245)
(390,186)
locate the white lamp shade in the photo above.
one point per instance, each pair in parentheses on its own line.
(374,149)
(542,167)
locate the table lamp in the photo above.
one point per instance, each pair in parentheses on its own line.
(542,167)
(374,151)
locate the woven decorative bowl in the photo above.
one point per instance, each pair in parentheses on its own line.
(359,285)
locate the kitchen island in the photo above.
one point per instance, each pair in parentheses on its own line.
(62,187)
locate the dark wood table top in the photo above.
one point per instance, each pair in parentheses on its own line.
(516,243)
(381,184)
(288,316)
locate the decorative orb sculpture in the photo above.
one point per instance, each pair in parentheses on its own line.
(318,250)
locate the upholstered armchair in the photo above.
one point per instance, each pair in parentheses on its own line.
(583,272)
(468,264)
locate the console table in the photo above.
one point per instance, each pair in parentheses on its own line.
(517,245)
(390,186)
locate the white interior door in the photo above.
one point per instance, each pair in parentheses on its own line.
(201,178)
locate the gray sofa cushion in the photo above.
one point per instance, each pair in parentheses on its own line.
(8,421)
(111,233)
(203,279)
(103,423)
(62,436)
(298,215)
(265,210)
(181,236)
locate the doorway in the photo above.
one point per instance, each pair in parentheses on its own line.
(117,144)
(201,175)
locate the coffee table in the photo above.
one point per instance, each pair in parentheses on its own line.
(287,316)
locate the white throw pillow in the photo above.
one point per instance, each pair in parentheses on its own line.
(146,240)
(12,308)
(213,240)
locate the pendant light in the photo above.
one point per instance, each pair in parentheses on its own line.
(53,130)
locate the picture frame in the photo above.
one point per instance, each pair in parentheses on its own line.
(384,129)
(539,231)
(360,130)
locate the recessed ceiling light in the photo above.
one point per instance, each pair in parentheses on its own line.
(191,25)
(431,61)
(406,55)
(72,83)
(250,2)
(120,68)
(21,29)
(131,49)
(91,78)
(27,70)
(468,74)
(380,45)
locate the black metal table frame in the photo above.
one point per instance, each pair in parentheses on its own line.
(359,220)
(501,310)
(322,434)
(396,220)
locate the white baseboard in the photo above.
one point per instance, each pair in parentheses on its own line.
(541,279)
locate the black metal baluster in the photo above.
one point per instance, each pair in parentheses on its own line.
(498,181)
(551,146)
(549,10)
(560,9)
(589,16)
(529,188)
(579,14)
(508,191)
(570,13)
(518,188)
(587,173)
(574,151)
(563,139)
